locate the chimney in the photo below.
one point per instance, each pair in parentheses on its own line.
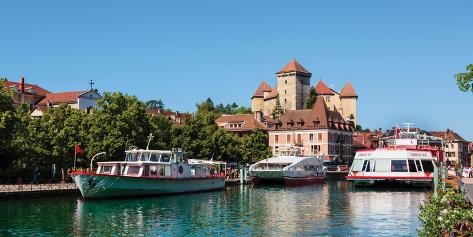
(259,116)
(21,88)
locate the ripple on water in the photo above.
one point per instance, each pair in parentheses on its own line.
(334,209)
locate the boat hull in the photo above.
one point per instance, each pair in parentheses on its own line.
(97,186)
(267,177)
(295,181)
(426,182)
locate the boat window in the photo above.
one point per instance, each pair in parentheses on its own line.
(143,156)
(419,168)
(153,170)
(412,166)
(366,165)
(153,157)
(167,170)
(165,157)
(428,165)
(357,165)
(383,165)
(133,170)
(146,170)
(106,169)
(399,166)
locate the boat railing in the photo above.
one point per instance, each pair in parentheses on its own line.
(93,158)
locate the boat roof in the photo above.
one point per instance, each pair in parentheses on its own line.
(197,161)
(282,160)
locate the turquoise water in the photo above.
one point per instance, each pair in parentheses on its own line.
(332,209)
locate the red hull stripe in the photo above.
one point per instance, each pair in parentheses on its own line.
(148,177)
(387,177)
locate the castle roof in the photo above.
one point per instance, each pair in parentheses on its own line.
(294,66)
(319,117)
(322,89)
(348,91)
(263,87)
(273,94)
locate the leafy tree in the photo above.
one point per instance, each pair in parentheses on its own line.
(278,110)
(154,104)
(309,102)
(465,79)
(233,109)
(358,128)
(255,147)
(6,123)
(161,129)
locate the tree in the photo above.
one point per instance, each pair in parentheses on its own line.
(6,123)
(255,147)
(278,110)
(161,129)
(154,104)
(465,79)
(309,102)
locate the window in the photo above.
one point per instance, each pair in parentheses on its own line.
(412,166)
(398,166)
(311,137)
(319,137)
(366,165)
(299,138)
(285,100)
(165,157)
(428,165)
(146,170)
(153,170)
(314,149)
(419,168)
(357,165)
(285,91)
(276,138)
(285,81)
(153,157)
(288,138)
(106,169)
(167,170)
(133,170)
(276,149)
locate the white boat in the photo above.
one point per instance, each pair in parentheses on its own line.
(288,168)
(404,163)
(149,172)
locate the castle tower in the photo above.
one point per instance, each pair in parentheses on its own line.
(348,99)
(293,84)
(257,100)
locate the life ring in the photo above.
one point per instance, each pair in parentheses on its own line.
(181,169)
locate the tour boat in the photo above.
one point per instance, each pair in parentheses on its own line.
(288,168)
(403,163)
(149,172)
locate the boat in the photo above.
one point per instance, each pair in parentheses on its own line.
(406,161)
(149,172)
(289,168)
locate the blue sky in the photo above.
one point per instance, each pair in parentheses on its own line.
(399,55)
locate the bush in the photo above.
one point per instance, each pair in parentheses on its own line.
(448,214)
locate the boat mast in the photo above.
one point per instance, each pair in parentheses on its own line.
(150,137)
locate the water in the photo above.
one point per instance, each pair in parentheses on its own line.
(332,209)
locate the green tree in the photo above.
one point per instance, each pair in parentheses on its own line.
(161,129)
(6,124)
(465,79)
(278,110)
(154,104)
(255,147)
(309,102)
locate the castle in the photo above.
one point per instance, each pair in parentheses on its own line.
(293,89)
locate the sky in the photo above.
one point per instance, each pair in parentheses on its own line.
(401,56)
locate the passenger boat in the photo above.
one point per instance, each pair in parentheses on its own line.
(288,168)
(405,162)
(149,172)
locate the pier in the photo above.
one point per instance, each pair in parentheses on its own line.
(38,190)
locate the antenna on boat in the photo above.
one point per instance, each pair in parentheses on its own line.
(150,137)
(408,126)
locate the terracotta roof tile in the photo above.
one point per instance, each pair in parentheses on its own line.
(322,89)
(263,87)
(37,89)
(61,97)
(247,121)
(273,94)
(449,135)
(293,66)
(348,91)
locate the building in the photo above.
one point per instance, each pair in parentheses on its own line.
(455,147)
(470,151)
(175,117)
(293,89)
(240,123)
(317,131)
(365,140)
(82,100)
(40,100)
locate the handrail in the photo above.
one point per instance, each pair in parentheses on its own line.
(92,160)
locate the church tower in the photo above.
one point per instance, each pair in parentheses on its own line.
(293,85)
(348,99)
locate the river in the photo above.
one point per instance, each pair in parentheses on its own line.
(332,209)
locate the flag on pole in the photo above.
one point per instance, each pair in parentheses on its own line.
(79,150)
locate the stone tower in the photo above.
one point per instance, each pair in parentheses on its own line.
(257,100)
(348,99)
(293,85)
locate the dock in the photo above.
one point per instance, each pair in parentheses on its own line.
(8,191)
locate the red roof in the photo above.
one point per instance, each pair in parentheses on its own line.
(322,89)
(263,87)
(37,89)
(348,91)
(273,94)
(293,66)
(247,121)
(449,135)
(61,97)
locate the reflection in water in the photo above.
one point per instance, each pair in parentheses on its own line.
(333,209)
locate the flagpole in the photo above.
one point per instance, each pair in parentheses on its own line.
(75,156)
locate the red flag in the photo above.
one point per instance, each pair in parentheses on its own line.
(79,150)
